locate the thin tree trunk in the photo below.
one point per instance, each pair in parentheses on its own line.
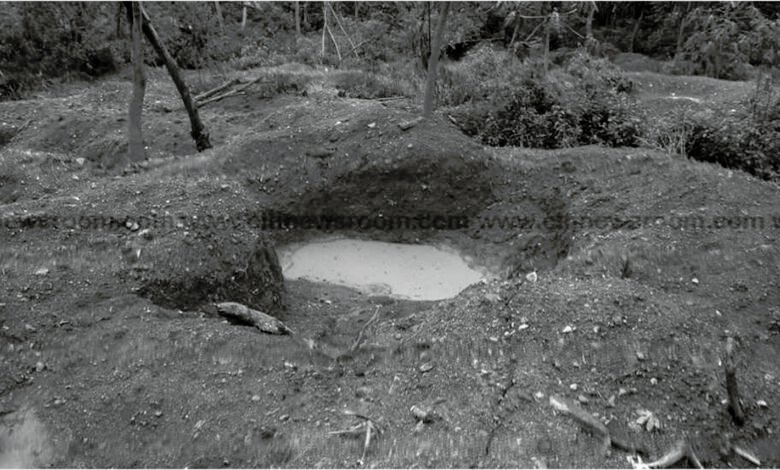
(357,10)
(297,18)
(135,148)
(589,21)
(635,31)
(220,18)
(341,27)
(324,28)
(681,31)
(546,59)
(433,63)
(198,131)
(243,18)
(119,21)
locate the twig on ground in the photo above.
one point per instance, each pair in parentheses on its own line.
(746,455)
(360,338)
(734,406)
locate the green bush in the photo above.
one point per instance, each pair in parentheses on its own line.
(745,138)
(585,102)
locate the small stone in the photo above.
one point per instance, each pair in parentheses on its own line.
(762,404)
(640,355)
(574,387)
(522,327)
(695,281)
(80,161)
(372,125)
(255,398)
(42,272)
(567,329)
(532,276)
(538,395)
(611,402)
(158,413)
(427,367)
(363,392)
(653,381)
(582,399)
(284,417)
(421,415)
(146,234)
(39,366)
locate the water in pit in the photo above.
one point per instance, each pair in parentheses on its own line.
(416,272)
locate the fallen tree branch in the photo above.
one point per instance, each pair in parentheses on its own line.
(362,43)
(595,426)
(230,93)
(262,321)
(216,90)
(734,404)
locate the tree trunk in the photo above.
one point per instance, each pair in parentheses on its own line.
(135,148)
(243,18)
(546,58)
(357,10)
(324,28)
(297,18)
(198,131)
(589,21)
(635,31)
(433,63)
(119,34)
(220,18)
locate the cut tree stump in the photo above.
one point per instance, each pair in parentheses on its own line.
(262,321)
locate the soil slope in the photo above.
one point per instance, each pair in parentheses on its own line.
(111,356)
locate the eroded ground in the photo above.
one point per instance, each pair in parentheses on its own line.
(110,356)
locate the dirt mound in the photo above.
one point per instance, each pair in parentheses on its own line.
(186,270)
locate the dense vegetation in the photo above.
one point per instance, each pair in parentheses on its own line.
(521,74)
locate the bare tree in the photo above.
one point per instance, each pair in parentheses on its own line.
(135,148)
(198,130)
(220,18)
(433,63)
(297,18)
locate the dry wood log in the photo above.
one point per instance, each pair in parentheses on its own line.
(406,125)
(216,90)
(262,321)
(232,92)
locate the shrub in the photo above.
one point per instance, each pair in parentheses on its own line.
(585,102)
